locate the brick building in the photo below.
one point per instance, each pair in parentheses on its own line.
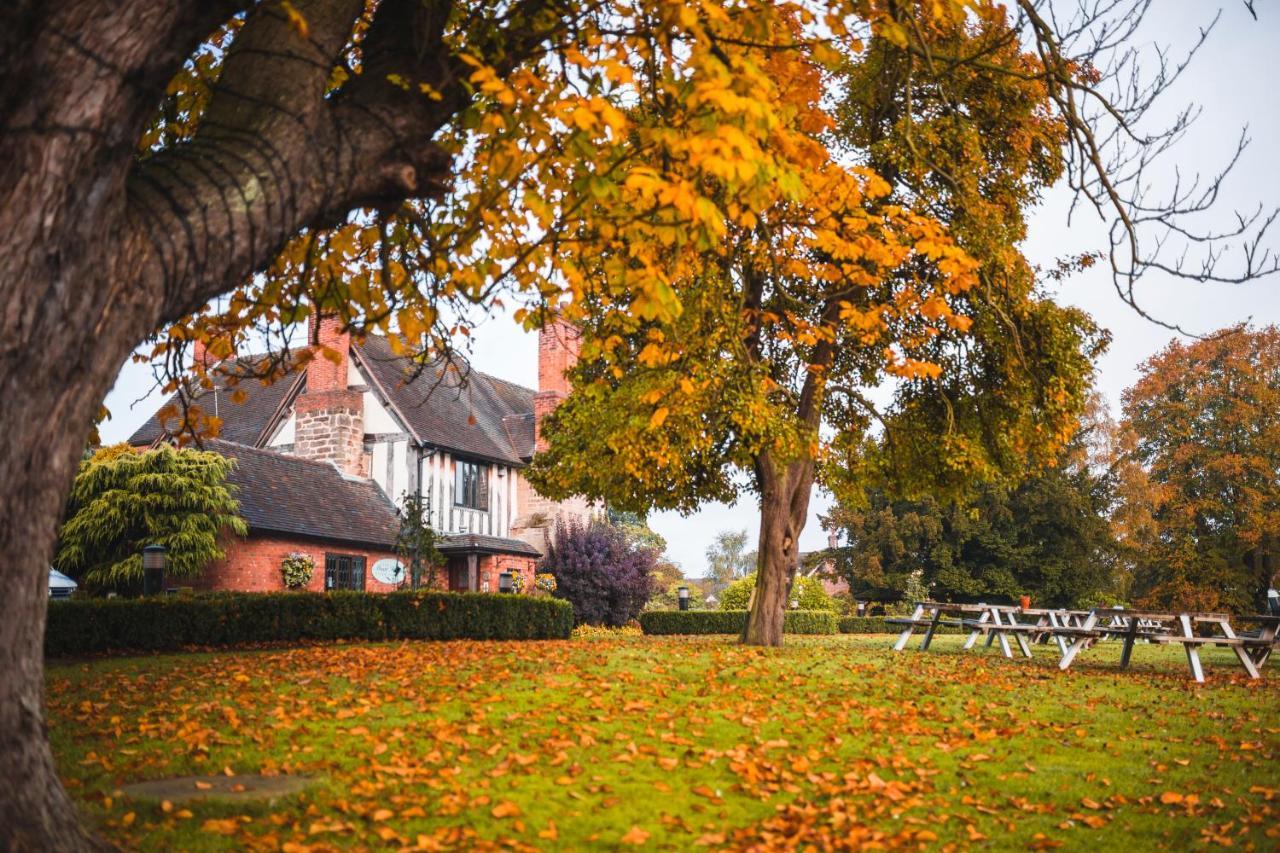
(325,455)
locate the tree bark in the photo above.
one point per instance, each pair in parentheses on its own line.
(784,509)
(99,249)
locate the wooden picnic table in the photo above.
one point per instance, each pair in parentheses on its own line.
(997,621)
(1076,630)
(1251,650)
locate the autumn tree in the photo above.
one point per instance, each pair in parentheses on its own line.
(1203,415)
(782,345)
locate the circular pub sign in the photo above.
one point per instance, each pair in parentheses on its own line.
(389,571)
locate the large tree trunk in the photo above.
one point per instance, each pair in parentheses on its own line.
(784,508)
(99,249)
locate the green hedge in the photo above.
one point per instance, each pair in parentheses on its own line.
(877,625)
(731,622)
(85,626)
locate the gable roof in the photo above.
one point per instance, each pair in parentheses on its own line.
(448,407)
(242,423)
(298,497)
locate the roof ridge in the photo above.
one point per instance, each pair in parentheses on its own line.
(471,369)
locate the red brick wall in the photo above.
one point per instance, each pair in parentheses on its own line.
(323,374)
(492,565)
(253,565)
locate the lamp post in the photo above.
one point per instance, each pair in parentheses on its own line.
(153,559)
(504,582)
(683,592)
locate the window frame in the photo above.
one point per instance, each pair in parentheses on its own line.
(471,485)
(341,570)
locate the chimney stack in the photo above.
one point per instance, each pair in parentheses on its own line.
(558,344)
(833,540)
(330,415)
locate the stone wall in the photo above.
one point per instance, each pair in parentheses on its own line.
(329,427)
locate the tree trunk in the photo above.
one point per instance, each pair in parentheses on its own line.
(784,508)
(99,249)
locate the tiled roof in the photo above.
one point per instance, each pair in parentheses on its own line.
(465,412)
(467,543)
(285,494)
(521,431)
(242,423)
(447,409)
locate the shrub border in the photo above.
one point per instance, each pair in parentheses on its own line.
(668,622)
(89,626)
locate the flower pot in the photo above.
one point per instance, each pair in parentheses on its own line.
(1025,602)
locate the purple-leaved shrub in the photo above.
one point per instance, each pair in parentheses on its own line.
(605,577)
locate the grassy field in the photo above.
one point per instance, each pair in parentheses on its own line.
(671,743)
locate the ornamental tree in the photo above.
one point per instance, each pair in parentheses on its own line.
(607,578)
(123,500)
(1203,415)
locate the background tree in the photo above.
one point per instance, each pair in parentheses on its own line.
(728,559)
(1203,415)
(637,530)
(777,364)
(1048,535)
(416,541)
(808,593)
(667,596)
(123,500)
(607,578)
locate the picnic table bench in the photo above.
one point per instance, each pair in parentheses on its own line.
(1076,630)
(1251,650)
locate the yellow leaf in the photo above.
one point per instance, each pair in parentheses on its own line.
(659,416)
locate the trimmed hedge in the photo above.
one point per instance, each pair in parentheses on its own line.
(877,625)
(731,622)
(86,626)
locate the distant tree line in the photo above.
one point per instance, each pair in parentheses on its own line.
(1175,505)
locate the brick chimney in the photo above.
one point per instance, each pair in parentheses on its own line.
(329,415)
(833,540)
(199,352)
(558,344)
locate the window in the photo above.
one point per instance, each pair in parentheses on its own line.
(471,485)
(343,571)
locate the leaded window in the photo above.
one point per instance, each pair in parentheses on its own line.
(343,571)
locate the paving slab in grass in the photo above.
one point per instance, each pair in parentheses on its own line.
(225,788)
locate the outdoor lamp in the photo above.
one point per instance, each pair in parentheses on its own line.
(683,592)
(153,558)
(504,582)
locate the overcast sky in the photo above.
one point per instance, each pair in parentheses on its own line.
(1235,79)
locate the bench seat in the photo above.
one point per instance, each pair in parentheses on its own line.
(987,627)
(923,623)
(1247,642)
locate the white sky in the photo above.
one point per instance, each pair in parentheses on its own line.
(1234,79)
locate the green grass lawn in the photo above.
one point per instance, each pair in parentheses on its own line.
(672,743)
